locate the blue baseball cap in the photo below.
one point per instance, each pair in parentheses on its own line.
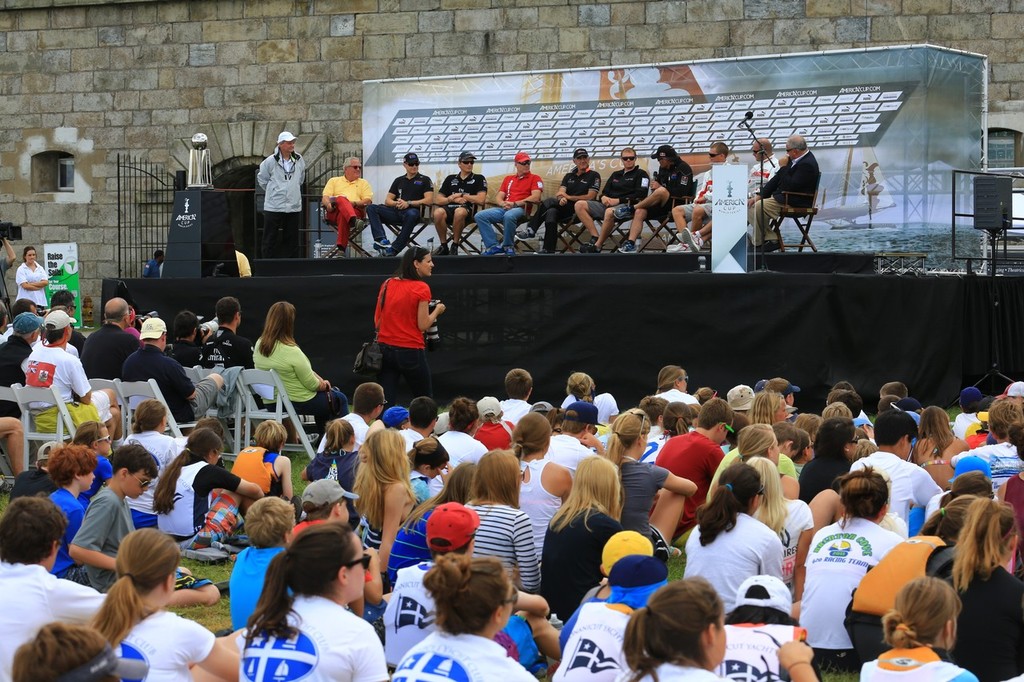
(26,323)
(972,463)
(582,411)
(394,416)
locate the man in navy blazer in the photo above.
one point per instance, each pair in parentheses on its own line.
(798,172)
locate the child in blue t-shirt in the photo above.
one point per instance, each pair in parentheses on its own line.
(71,469)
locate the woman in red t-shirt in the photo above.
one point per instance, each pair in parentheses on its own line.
(401,321)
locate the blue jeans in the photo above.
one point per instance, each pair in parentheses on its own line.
(319,408)
(378,214)
(485,221)
(407,363)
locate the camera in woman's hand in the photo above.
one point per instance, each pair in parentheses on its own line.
(431,337)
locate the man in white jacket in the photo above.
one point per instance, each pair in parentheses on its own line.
(280,176)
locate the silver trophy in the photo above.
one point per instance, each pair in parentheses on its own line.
(200,170)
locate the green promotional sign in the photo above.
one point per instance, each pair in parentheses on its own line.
(61,261)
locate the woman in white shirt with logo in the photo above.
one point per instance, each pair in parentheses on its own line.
(133,617)
(301,624)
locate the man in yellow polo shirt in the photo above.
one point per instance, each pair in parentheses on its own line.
(345,199)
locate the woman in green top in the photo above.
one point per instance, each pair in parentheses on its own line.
(276,349)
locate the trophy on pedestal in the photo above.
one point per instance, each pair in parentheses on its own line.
(200,171)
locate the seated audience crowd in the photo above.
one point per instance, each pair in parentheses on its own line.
(688,536)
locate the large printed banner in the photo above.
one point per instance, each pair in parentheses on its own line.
(61,262)
(887,126)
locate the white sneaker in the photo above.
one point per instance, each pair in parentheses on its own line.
(677,248)
(691,240)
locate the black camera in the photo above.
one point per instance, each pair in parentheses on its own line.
(431,337)
(10,231)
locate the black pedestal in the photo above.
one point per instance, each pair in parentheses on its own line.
(199,239)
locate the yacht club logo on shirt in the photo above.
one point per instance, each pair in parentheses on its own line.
(411,612)
(429,667)
(273,659)
(589,655)
(130,652)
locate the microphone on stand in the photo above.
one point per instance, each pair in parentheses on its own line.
(746,120)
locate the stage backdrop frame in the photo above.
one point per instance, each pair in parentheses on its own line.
(886,124)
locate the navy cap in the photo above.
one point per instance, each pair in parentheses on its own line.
(411,158)
(582,411)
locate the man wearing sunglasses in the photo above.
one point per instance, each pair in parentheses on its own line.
(580,184)
(673,180)
(408,194)
(459,197)
(625,187)
(690,218)
(517,195)
(345,200)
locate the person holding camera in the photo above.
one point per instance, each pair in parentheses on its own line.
(32,278)
(403,313)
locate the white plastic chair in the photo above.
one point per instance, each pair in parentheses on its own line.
(24,396)
(266,385)
(108,384)
(131,393)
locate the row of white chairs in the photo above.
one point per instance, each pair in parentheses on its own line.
(259,396)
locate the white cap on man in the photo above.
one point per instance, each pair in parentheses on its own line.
(286,137)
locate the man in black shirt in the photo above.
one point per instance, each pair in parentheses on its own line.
(108,347)
(25,332)
(581,184)
(188,339)
(459,197)
(225,348)
(673,180)
(624,188)
(408,194)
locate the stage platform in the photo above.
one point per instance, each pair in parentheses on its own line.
(597,263)
(621,318)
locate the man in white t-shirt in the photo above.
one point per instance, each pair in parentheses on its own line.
(51,365)
(518,387)
(895,433)
(578,438)
(422,418)
(31,530)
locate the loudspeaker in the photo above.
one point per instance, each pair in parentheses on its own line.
(993,202)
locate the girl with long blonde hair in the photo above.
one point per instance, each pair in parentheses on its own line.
(759,440)
(133,617)
(577,535)
(769,407)
(791,520)
(385,493)
(642,482)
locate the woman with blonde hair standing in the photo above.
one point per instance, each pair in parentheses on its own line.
(133,617)
(385,493)
(577,535)
(545,484)
(505,531)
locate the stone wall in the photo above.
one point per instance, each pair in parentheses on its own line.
(100,78)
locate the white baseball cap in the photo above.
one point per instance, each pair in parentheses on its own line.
(286,137)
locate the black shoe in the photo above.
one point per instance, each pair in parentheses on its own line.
(441,250)
(589,247)
(768,247)
(454,250)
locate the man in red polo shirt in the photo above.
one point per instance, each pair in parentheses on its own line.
(696,455)
(518,193)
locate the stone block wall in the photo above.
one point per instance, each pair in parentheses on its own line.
(99,78)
